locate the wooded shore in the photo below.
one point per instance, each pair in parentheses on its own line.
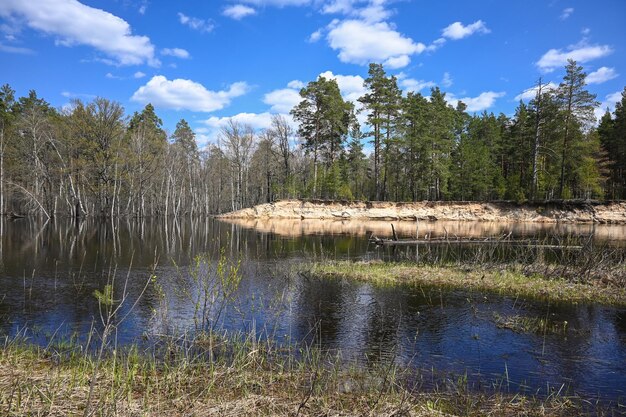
(502,211)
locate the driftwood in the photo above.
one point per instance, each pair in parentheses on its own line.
(457,240)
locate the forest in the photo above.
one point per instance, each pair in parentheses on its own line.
(91,159)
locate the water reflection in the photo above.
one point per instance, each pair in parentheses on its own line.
(452,229)
(48,272)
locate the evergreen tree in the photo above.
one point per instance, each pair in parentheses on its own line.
(324,121)
(577,105)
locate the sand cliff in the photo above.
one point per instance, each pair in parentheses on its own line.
(549,212)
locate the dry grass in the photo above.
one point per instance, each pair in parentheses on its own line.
(36,382)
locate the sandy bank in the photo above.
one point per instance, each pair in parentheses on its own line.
(550,212)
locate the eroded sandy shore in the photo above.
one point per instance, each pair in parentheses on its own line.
(551,212)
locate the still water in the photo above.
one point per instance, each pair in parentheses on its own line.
(49,271)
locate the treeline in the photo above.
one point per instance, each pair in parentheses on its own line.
(92,159)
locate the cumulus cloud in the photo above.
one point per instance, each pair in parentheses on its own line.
(475,104)
(201,25)
(601,75)
(360,43)
(531,93)
(139,74)
(255,120)
(457,31)
(73,23)
(580,53)
(566,13)
(351,86)
(238,11)
(282,100)
(181,94)
(175,52)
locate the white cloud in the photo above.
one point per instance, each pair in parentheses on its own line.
(283,100)
(613,97)
(608,103)
(238,11)
(315,36)
(139,74)
(566,13)
(297,84)
(112,76)
(580,53)
(73,23)
(175,52)
(180,94)
(15,49)
(437,43)
(531,93)
(475,104)
(351,86)
(201,25)
(255,120)
(277,3)
(369,11)
(69,94)
(399,61)
(360,43)
(446,81)
(374,12)
(411,84)
(601,75)
(456,30)
(585,31)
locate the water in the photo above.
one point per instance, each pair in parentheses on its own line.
(49,271)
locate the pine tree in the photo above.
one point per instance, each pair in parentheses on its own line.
(324,121)
(577,105)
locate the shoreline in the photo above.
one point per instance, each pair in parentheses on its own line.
(580,212)
(253,380)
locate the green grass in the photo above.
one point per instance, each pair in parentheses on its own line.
(524,324)
(505,280)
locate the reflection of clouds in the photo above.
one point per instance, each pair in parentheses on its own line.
(295,228)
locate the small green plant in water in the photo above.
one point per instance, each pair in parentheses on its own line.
(105,297)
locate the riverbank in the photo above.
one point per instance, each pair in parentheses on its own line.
(544,212)
(514,280)
(253,381)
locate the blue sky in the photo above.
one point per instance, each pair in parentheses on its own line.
(206,61)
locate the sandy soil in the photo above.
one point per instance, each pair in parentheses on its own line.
(551,212)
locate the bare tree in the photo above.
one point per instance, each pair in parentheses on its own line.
(238,140)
